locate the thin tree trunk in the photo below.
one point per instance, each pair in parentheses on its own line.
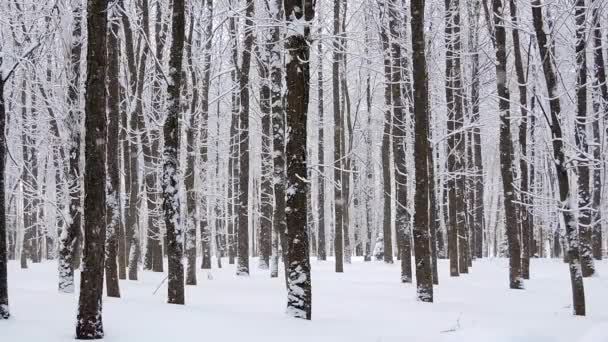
(4,309)
(191,169)
(321,248)
(601,90)
(112,159)
(386,152)
(582,165)
(243,194)
(506,149)
(69,237)
(278,139)
(338,124)
(524,213)
(402,217)
(576,277)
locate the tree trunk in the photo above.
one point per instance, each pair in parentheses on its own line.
(576,277)
(89,319)
(69,238)
(299,292)
(338,124)
(455,183)
(112,158)
(171,202)
(278,139)
(601,90)
(402,217)
(424,281)
(478,228)
(321,248)
(386,236)
(191,169)
(524,208)
(243,194)
(4,310)
(506,149)
(582,164)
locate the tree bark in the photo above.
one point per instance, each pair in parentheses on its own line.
(386,152)
(338,124)
(424,281)
(112,159)
(601,89)
(524,208)
(321,248)
(4,309)
(299,292)
(243,194)
(506,149)
(171,202)
(576,277)
(69,237)
(89,318)
(278,139)
(402,217)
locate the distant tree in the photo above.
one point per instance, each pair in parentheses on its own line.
(89,319)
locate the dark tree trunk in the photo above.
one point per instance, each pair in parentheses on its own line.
(299,292)
(189,182)
(112,159)
(506,149)
(601,89)
(386,153)
(171,202)
(400,122)
(338,124)
(478,227)
(89,319)
(424,277)
(243,194)
(278,141)
(69,239)
(524,213)
(321,248)
(152,153)
(455,183)
(4,310)
(576,277)
(582,164)
(267,172)
(205,227)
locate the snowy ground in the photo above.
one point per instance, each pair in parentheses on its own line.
(366,303)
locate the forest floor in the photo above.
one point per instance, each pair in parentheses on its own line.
(365,303)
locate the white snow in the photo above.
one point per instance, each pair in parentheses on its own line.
(366,303)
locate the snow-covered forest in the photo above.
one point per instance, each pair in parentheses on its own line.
(388,170)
